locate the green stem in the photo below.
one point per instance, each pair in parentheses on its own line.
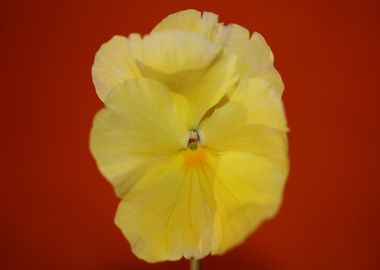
(195,265)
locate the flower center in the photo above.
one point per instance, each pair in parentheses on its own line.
(194,154)
(193,141)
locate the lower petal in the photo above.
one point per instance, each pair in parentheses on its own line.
(169,213)
(248,190)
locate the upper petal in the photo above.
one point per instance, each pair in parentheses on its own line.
(186,62)
(168,52)
(114,63)
(254,56)
(191,20)
(139,125)
(174,51)
(190,65)
(219,80)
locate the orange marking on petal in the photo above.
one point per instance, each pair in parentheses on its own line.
(195,157)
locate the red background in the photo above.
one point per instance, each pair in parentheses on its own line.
(57,211)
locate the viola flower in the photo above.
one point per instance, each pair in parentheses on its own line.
(193,136)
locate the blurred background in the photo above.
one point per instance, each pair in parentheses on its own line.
(56,210)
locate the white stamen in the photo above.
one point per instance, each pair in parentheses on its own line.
(193,138)
(201,135)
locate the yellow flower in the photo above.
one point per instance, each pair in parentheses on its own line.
(192,136)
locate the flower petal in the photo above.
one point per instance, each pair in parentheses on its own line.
(176,58)
(263,105)
(254,56)
(173,51)
(191,20)
(252,104)
(248,190)
(253,121)
(170,211)
(255,139)
(220,79)
(175,210)
(189,65)
(114,63)
(139,125)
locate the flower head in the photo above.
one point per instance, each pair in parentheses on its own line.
(192,136)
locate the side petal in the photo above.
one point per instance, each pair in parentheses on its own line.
(170,213)
(252,110)
(114,63)
(263,105)
(252,121)
(255,139)
(139,125)
(248,190)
